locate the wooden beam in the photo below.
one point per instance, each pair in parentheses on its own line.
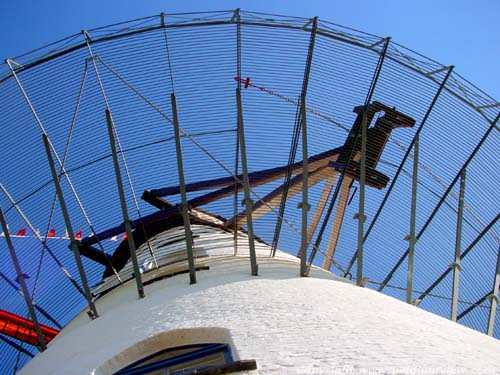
(337,223)
(327,189)
(273,199)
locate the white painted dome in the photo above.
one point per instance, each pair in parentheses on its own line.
(289,324)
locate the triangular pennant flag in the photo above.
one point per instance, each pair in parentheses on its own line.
(65,235)
(52,233)
(124,237)
(78,235)
(114,238)
(21,232)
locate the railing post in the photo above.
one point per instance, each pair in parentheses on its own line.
(182,187)
(413,215)
(246,186)
(22,283)
(361,212)
(458,249)
(305,188)
(74,247)
(123,203)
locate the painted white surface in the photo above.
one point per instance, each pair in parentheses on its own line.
(288,324)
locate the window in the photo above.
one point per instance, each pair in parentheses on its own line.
(181,360)
(183,351)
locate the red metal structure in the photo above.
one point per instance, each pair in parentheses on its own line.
(23,329)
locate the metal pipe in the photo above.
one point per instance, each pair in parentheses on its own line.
(246,186)
(413,216)
(182,186)
(123,203)
(361,212)
(458,249)
(305,189)
(401,165)
(22,283)
(441,201)
(76,252)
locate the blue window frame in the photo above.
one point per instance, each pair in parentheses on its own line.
(181,360)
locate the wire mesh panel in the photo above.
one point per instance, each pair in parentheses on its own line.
(294,75)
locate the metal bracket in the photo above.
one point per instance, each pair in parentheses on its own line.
(12,62)
(244,201)
(132,224)
(377,43)
(455,265)
(437,71)
(181,206)
(235,15)
(87,37)
(91,314)
(22,276)
(363,282)
(491,297)
(299,205)
(357,216)
(308,23)
(488,106)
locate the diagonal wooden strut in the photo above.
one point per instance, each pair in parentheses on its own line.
(273,199)
(337,223)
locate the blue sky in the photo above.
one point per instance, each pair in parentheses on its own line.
(459,33)
(452,32)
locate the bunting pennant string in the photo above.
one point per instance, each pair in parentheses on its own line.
(23,233)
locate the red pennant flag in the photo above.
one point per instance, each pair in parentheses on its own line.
(52,233)
(21,232)
(78,236)
(124,237)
